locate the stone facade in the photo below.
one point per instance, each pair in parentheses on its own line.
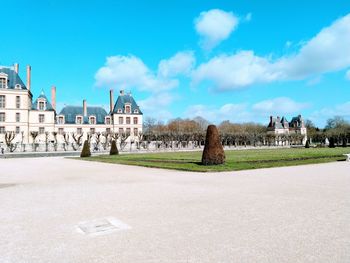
(23,116)
(280,126)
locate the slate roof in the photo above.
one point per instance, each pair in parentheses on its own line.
(70,112)
(122,100)
(297,122)
(283,123)
(48,103)
(275,124)
(13,77)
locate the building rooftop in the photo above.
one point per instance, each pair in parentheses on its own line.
(13,78)
(70,113)
(119,106)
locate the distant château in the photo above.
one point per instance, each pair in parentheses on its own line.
(21,116)
(281,126)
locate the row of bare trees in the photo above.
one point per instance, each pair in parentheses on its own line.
(67,141)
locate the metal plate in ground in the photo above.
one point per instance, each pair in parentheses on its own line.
(102,226)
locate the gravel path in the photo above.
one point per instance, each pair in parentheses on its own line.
(289,214)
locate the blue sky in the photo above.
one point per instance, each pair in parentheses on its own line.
(236,60)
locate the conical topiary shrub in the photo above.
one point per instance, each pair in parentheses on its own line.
(114,149)
(86,150)
(307,144)
(213,152)
(344,144)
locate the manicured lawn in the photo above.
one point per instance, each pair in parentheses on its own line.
(235,160)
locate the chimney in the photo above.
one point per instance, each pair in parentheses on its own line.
(84,108)
(111,100)
(16,66)
(29,69)
(53,97)
(121,92)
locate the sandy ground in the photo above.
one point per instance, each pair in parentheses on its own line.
(292,214)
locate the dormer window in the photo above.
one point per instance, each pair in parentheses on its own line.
(18,86)
(119,111)
(136,111)
(60,120)
(107,120)
(92,120)
(41,105)
(3,82)
(79,120)
(127,109)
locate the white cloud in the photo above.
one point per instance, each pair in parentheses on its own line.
(233,112)
(154,106)
(215,26)
(347,75)
(235,71)
(278,106)
(130,72)
(239,113)
(320,117)
(327,52)
(156,101)
(180,63)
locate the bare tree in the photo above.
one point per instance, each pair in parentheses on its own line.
(54,133)
(123,137)
(34,134)
(66,141)
(47,138)
(77,141)
(106,141)
(9,137)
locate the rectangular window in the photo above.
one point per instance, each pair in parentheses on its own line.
(127,109)
(92,130)
(2,102)
(18,130)
(18,117)
(108,121)
(41,118)
(41,130)
(127,120)
(108,130)
(2,116)
(60,120)
(60,131)
(128,130)
(79,120)
(121,130)
(41,105)
(79,130)
(120,120)
(136,132)
(2,129)
(18,102)
(135,120)
(92,120)
(2,83)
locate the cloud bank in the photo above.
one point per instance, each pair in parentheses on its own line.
(327,52)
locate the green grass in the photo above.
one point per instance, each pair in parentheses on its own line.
(235,160)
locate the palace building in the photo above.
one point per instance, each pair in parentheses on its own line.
(23,115)
(281,126)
